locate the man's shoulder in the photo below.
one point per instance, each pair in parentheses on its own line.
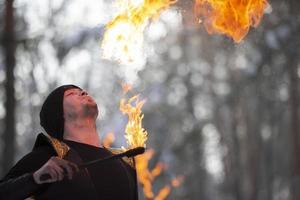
(58,147)
(42,150)
(31,161)
(39,154)
(130,161)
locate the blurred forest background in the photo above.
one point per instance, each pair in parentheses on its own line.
(224,115)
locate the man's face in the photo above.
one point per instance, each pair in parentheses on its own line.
(77,103)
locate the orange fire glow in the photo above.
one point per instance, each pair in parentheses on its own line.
(108,139)
(126,87)
(230,17)
(165,191)
(124,36)
(135,134)
(146,177)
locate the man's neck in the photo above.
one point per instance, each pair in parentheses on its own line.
(82,131)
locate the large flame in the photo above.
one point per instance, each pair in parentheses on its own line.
(147,176)
(135,134)
(230,17)
(124,36)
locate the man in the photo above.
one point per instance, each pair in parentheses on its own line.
(68,115)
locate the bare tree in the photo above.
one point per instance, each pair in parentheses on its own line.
(9,46)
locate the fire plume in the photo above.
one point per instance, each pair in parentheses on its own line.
(108,139)
(124,36)
(126,87)
(135,134)
(165,191)
(230,17)
(147,176)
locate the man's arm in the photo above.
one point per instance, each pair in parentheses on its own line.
(18,188)
(18,182)
(24,179)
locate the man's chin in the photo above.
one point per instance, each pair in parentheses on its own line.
(91,109)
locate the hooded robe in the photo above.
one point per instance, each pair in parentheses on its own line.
(112,180)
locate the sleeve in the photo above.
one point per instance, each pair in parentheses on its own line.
(20,187)
(19,182)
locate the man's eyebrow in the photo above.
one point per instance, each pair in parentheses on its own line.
(70,91)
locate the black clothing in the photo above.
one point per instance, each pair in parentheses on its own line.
(114,180)
(19,183)
(51,115)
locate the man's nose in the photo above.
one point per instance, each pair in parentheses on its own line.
(83,93)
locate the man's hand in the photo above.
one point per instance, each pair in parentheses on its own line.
(57,169)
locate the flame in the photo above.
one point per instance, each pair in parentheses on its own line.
(124,36)
(165,191)
(108,139)
(176,182)
(230,17)
(126,87)
(156,171)
(146,176)
(135,134)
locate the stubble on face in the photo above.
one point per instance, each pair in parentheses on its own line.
(90,109)
(78,104)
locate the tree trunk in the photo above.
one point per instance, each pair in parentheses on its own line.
(294,128)
(9,49)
